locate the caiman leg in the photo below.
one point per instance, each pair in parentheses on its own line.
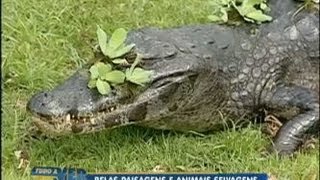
(271,127)
(290,135)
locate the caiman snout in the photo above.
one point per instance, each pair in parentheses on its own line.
(70,105)
(71,97)
(44,104)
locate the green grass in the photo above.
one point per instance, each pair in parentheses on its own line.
(45,41)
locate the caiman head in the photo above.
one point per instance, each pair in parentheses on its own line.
(72,107)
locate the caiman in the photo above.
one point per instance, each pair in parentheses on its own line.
(203,75)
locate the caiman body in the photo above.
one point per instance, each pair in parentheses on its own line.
(203,75)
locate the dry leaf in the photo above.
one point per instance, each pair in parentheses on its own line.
(159,168)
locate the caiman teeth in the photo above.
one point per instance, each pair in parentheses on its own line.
(68,118)
(112,108)
(92,121)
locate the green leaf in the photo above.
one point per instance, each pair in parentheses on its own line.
(120,61)
(250,13)
(248,19)
(102,39)
(259,16)
(92,83)
(117,39)
(246,7)
(224,16)
(94,72)
(243,10)
(264,7)
(115,77)
(103,87)
(103,68)
(251,3)
(214,18)
(120,51)
(138,76)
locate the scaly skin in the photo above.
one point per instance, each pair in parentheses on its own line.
(203,74)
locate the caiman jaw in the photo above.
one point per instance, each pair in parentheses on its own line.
(68,123)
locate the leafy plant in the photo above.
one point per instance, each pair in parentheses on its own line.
(220,14)
(251,10)
(116,45)
(137,75)
(103,75)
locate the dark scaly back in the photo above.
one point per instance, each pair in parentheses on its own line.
(304,71)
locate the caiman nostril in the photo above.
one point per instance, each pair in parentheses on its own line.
(211,42)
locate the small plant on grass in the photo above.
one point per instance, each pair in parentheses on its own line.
(250,10)
(105,74)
